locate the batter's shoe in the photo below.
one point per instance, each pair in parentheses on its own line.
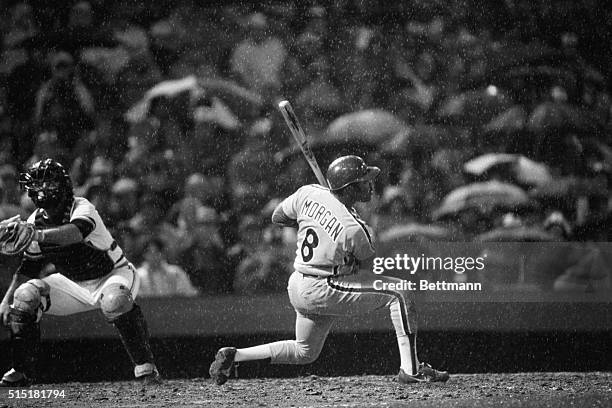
(15,379)
(221,368)
(425,373)
(147,374)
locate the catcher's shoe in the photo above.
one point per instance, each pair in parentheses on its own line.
(425,373)
(147,374)
(221,368)
(15,379)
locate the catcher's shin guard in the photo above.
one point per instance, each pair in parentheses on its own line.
(134,334)
(25,341)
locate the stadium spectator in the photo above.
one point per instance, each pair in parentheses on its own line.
(198,247)
(257,60)
(331,59)
(124,200)
(64,104)
(140,72)
(9,185)
(266,264)
(159,278)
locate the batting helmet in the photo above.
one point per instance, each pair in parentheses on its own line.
(347,170)
(47,184)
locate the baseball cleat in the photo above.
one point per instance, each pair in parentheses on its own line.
(147,374)
(425,373)
(15,379)
(221,368)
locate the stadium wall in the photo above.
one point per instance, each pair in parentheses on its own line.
(505,332)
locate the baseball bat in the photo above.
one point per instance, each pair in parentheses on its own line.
(300,137)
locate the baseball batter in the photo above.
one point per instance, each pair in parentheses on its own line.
(92,273)
(333,242)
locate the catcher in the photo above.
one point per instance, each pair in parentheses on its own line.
(91,273)
(331,279)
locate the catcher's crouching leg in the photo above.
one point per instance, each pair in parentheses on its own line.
(120,310)
(29,301)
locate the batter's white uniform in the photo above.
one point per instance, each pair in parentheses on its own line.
(326,283)
(84,269)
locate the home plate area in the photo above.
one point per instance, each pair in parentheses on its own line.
(462,390)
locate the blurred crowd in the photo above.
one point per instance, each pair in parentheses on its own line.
(484,119)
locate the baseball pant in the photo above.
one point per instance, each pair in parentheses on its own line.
(318,302)
(69,297)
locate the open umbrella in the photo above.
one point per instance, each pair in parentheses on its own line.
(423,137)
(414,232)
(484,197)
(520,168)
(570,187)
(371,126)
(503,59)
(482,164)
(517,234)
(559,116)
(222,93)
(171,88)
(509,121)
(473,108)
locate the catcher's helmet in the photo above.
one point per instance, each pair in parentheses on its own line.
(47,184)
(347,170)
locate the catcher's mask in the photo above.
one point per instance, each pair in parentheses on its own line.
(47,184)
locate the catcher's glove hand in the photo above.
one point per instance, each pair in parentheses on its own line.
(16,236)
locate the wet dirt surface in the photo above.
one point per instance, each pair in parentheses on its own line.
(462,390)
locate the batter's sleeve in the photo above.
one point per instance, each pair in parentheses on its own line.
(359,243)
(290,204)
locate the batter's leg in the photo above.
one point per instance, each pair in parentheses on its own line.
(359,294)
(310,334)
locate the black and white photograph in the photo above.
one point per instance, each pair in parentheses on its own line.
(305,203)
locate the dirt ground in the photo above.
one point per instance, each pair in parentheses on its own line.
(473,390)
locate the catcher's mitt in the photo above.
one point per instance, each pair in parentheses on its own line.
(15,236)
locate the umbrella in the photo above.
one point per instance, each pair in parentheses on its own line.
(219,91)
(423,137)
(543,76)
(473,107)
(68,40)
(570,187)
(482,164)
(371,125)
(483,196)
(520,168)
(242,101)
(509,121)
(171,88)
(414,232)
(555,116)
(517,234)
(501,60)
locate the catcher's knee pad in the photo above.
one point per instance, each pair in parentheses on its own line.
(116,300)
(31,298)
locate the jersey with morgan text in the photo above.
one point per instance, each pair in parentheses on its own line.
(330,235)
